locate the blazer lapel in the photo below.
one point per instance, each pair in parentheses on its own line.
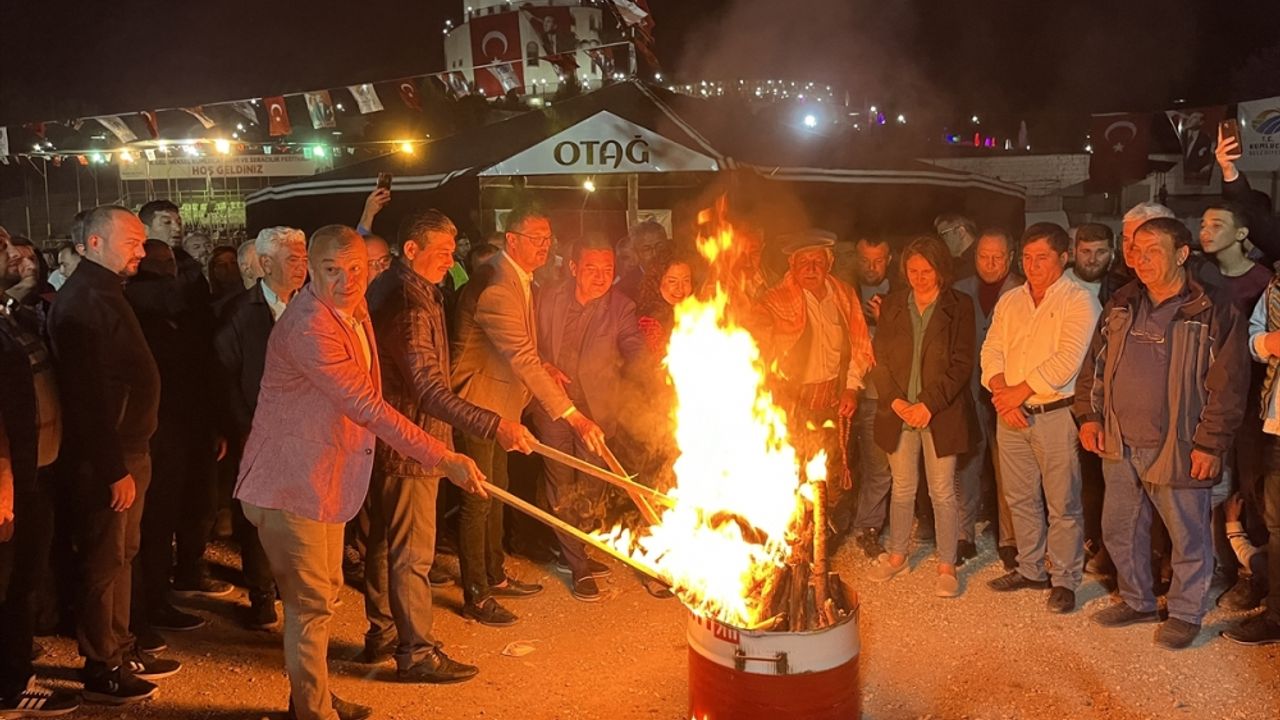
(941,318)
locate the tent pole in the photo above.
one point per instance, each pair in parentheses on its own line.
(633,200)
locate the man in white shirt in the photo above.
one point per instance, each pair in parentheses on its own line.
(1039,334)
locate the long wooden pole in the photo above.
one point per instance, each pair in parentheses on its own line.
(639,493)
(557,524)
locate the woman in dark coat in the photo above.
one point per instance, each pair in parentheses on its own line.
(925,351)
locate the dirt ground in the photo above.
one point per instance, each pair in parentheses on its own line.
(981,656)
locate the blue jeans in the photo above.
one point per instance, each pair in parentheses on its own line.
(1040,469)
(874,476)
(1126,531)
(941,475)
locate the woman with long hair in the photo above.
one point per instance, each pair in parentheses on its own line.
(668,279)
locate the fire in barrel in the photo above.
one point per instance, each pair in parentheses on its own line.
(772,633)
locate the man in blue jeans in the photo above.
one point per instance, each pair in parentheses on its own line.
(1160,398)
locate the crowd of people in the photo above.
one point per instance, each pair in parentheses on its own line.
(1110,408)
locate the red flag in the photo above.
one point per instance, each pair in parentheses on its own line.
(409,94)
(278,115)
(495,39)
(1120,142)
(1197,130)
(36,129)
(153,126)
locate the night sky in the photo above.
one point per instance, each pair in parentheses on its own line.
(1048,62)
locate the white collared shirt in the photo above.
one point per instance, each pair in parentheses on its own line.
(827,338)
(1041,345)
(274,302)
(358,327)
(526,279)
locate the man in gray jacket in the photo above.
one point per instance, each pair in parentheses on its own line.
(1159,398)
(589,337)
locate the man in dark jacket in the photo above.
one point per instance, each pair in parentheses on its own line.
(407,311)
(30,436)
(587,335)
(1160,398)
(178,326)
(110,397)
(241,348)
(1264,226)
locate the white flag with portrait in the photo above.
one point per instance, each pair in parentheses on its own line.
(118,128)
(366,98)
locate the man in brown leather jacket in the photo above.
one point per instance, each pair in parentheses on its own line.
(408,318)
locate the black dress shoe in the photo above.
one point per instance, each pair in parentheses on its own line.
(869,540)
(376,653)
(261,615)
(1015,580)
(1008,556)
(1061,601)
(965,550)
(149,641)
(437,668)
(489,612)
(512,588)
(1257,630)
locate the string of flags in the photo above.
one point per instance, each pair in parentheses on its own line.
(1120,143)
(282,115)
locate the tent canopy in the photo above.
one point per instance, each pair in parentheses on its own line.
(628,127)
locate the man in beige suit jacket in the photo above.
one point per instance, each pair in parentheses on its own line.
(498,368)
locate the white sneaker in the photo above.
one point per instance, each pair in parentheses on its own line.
(948,586)
(884,570)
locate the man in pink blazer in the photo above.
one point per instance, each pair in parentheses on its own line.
(306,464)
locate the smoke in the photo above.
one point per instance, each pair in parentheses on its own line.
(862,46)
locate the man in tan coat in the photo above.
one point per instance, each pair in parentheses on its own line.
(498,368)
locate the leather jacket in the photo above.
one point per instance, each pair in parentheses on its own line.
(413,347)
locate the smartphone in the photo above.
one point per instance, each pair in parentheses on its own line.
(1230,129)
(384,181)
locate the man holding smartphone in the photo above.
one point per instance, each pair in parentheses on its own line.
(1264,227)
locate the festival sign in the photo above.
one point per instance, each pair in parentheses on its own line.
(195,168)
(1260,135)
(602,144)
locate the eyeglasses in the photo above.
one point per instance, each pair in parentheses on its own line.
(380,264)
(539,240)
(1146,337)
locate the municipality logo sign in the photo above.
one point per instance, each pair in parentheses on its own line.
(1267,122)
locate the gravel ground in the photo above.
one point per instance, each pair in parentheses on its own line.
(982,656)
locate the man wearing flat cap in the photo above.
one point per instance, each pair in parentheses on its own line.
(812,324)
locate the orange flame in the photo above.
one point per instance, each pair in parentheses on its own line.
(739,494)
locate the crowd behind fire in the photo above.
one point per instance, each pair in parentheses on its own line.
(1109,407)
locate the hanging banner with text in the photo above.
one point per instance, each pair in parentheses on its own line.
(1260,135)
(194,168)
(604,143)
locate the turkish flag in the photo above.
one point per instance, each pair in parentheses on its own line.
(278,115)
(1120,142)
(495,39)
(409,94)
